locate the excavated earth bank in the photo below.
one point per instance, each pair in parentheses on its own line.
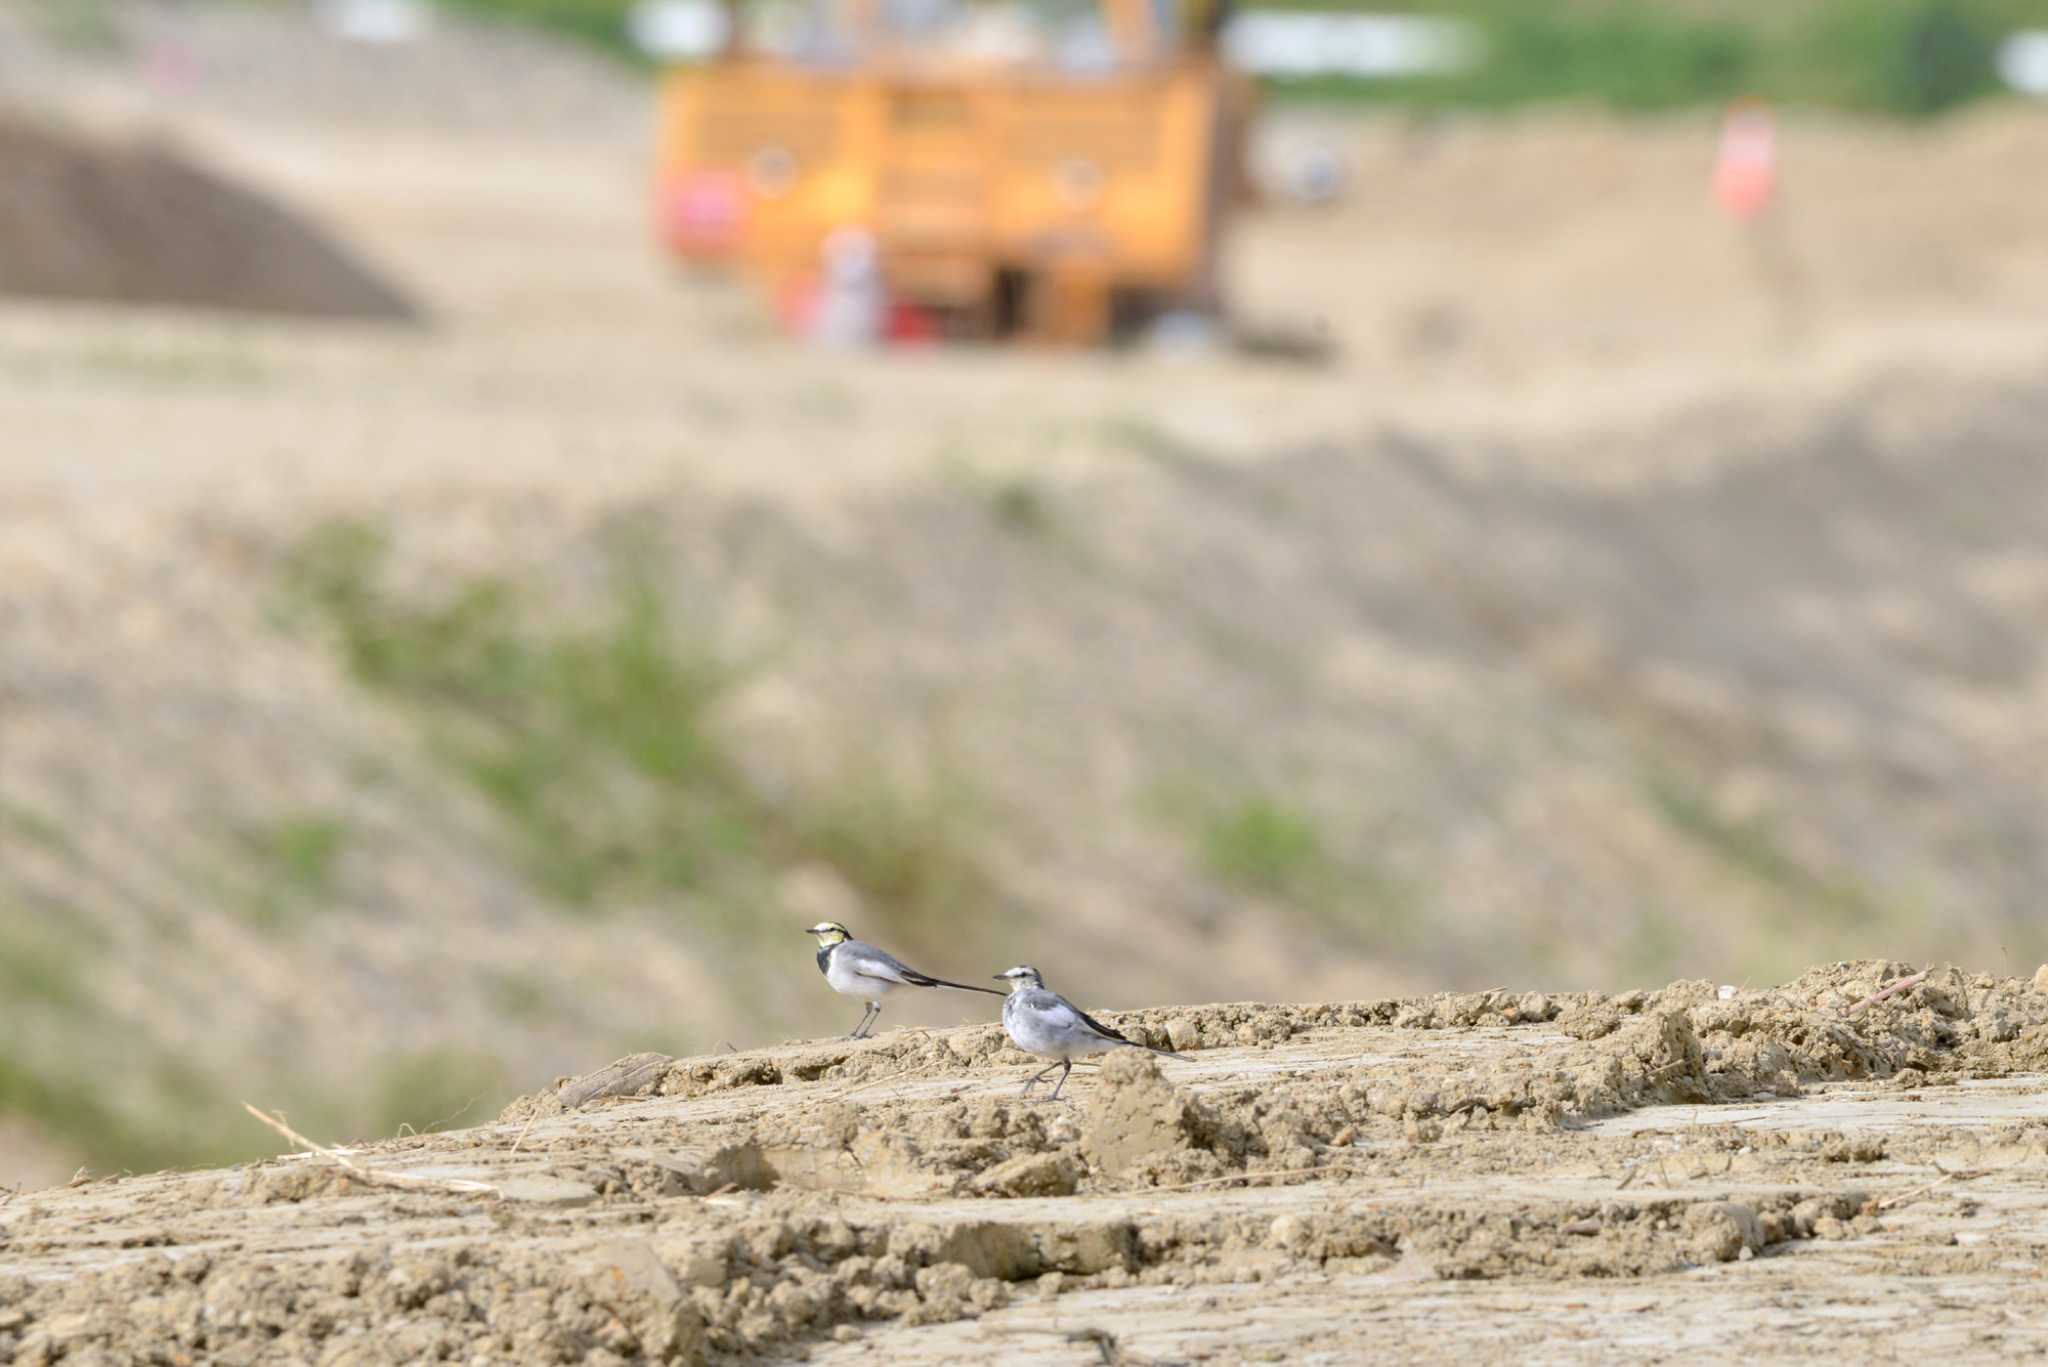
(135,222)
(1482,1176)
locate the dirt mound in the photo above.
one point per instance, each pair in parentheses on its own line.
(135,222)
(1145,1126)
(1314,1157)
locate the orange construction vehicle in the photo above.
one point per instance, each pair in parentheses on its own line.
(1057,169)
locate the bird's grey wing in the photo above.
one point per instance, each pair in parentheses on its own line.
(1060,1012)
(870,962)
(1107,1032)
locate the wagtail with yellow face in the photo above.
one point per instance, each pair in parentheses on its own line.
(858,969)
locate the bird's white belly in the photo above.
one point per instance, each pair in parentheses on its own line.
(1034,1034)
(843,979)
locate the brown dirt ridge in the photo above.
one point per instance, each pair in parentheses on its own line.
(1291,1179)
(134,221)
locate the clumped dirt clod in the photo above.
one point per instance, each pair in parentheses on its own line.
(801,1197)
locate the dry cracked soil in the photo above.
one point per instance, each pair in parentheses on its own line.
(1699,1171)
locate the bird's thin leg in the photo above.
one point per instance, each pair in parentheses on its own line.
(860,1031)
(1066,1067)
(1038,1077)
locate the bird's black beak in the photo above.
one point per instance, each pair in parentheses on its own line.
(1000,976)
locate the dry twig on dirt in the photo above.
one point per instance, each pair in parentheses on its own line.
(1889,989)
(373,1176)
(1960,1175)
(1259,1176)
(1891,1202)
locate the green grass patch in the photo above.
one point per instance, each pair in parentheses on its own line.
(1637,56)
(1903,57)
(44,954)
(72,1110)
(26,823)
(1750,847)
(300,851)
(1915,58)
(1265,845)
(1026,509)
(906,849)
(599,23)
(593,742)
(158,364)
(288,870)
(1142,437)
(522,996)
(1634,59)
(1906,57)
(436,1089)
(171,365)
(1021,506)
(81,26)
(590,742)
(1653,949)
(1262,843)
(67,1110)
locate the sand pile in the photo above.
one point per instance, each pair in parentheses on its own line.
(135,222)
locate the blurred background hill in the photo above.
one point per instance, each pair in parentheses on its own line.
(396,714)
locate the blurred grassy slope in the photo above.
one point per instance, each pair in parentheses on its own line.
(1192,728)
(1904,57)
(1907,57)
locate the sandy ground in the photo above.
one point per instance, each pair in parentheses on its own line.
(1582,491)
(1694,1174)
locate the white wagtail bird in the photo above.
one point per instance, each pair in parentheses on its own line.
(858,969)
(1042,1022)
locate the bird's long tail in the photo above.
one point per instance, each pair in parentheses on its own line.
(927,980)
(1163,1053)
